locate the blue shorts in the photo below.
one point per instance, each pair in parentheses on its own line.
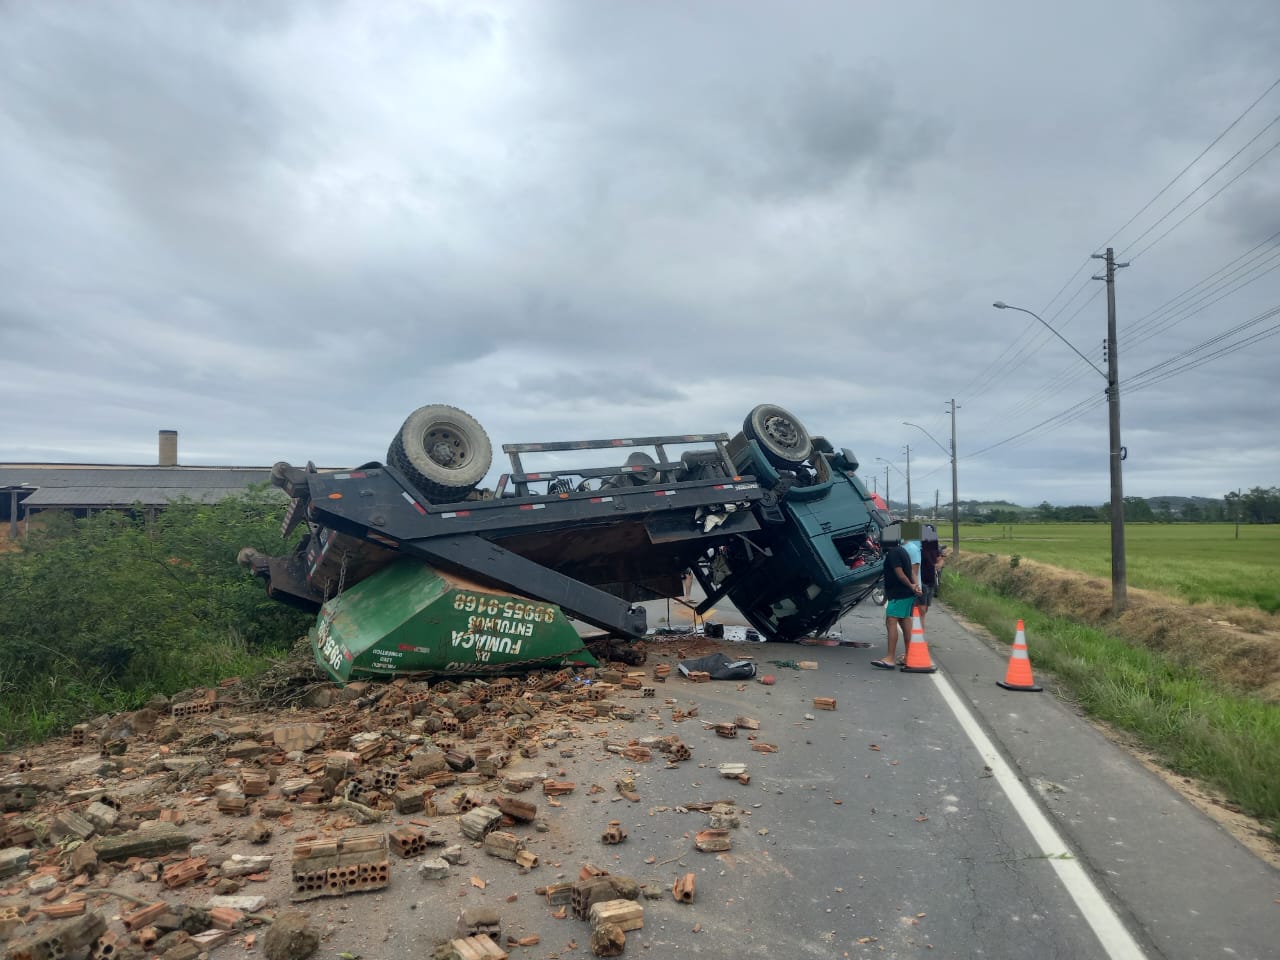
(899,609)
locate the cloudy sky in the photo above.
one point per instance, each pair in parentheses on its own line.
(280,227)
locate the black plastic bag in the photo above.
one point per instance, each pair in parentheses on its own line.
(720,667)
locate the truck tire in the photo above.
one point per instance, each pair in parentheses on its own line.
(443,451)
(781,436)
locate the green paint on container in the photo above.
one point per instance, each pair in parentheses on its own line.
(413,620)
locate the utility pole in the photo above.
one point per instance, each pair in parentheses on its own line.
(908,481)
(955,487)
(1119,591)
(936,493)
(886,491)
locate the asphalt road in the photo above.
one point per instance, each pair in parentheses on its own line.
(938,815)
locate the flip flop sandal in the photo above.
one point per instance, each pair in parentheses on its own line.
(882,665)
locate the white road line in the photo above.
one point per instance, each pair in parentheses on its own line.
(1111,933)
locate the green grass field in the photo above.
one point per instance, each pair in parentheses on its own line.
(1198,563)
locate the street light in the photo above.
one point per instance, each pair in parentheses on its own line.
(887,465)
(1112,377)
(955,493)
(908,481)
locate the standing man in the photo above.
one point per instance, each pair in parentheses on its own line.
(900,591)
(930,563)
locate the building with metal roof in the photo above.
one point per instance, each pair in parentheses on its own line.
(27,488)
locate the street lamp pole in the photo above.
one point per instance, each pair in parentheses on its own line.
(955,489)
(908,481)
(887,465)
(1119,591)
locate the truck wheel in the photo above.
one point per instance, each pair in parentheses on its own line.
(443,451)
(781,436)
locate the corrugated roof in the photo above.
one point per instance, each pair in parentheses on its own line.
(68,485)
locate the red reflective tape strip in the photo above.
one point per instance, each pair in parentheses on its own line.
(533,506)
(664,493)
(601,500)
(533,476)
(413,503)
(457,513)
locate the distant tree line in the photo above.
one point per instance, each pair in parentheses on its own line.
(1259,505)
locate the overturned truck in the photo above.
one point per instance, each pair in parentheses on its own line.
(413,570)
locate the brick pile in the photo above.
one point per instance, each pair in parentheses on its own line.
(147,801)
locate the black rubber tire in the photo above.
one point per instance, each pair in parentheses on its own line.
(781,436)
(443,451)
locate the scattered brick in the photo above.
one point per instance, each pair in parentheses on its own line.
(683,888)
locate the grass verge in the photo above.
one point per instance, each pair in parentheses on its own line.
(1197,729)
(66,696)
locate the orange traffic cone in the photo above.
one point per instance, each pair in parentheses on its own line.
(917,650)
(1018,676)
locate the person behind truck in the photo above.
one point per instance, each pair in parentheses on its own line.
(900,591)
(930,565)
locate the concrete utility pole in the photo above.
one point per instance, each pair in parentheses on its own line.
(1119,593)
(955,486)
(908,481)
(1119,587)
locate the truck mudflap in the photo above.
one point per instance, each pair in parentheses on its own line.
(411,619)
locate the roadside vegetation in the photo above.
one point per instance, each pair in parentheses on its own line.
(99,614)
(1196,562)
(1198,687)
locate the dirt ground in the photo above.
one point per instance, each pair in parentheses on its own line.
(1237,646)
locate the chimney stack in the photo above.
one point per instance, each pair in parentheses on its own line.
(168,448)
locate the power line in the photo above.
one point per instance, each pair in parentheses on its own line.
(1213,143)
(1158,372)
(1191,309)
(1199,206)
(1025,346)
(1258,337)
(1143,320)
(1154,374)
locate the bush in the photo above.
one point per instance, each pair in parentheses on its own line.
(101,612)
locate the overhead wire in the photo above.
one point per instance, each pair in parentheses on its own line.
(1025,346)
(1258,159)
(1199,156)
(1164,369)
(1150,316)
(1181,363)
(1206,300)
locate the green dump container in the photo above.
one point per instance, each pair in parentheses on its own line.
(413,620)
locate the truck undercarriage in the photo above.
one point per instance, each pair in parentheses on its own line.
(774,520)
